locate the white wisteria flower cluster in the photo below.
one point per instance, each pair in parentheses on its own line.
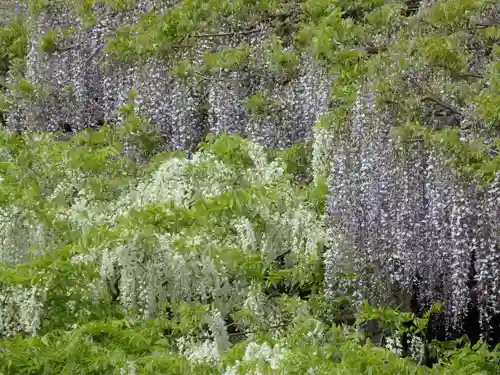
(190,262)
(191,230)
(21,310)
(19,233)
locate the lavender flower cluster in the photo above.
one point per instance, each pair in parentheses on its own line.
(85,87)
(402,218)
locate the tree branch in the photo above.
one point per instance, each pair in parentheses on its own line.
(372,50)
(244,333)
(486,25)
(76,45)
(414,140)
(469,75)
(441,103)
(92,55)
(181,46)
(216,35)
(217,79)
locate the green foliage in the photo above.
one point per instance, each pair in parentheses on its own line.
(297,159)
(13,48)
(260,104)
(48,42)
(119,5)
(451,15)
(443,52)
(435,42)
(37,6)
(281,62)
(471,159)
(137,132)
(229,58)
(84,10)
(455,356)
(159,34)
(13,42)
(488,100)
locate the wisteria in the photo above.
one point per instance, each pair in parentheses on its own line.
(405,222)
(250,187)
(147,270)
(85,86)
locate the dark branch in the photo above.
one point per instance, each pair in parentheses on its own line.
(92,55)
(441,103)
(217,79)
(216,35)
(411,8)
(414,140)
(255,331)
(181,46)
(485,25)
(469,75)
(73,46)
(372,50)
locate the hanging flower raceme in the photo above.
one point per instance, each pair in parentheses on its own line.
(405,223)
